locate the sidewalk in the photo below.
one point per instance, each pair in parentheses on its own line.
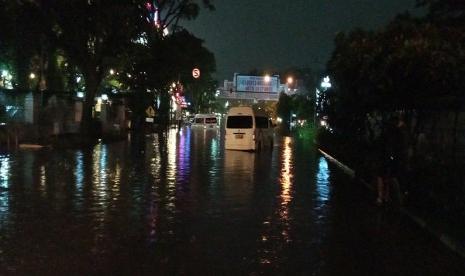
(450,236)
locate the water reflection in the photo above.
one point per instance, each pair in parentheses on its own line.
(4,185)
(277,228)
(171,172)
(4,171)
(79,170)
(286,175)
(322,181)
(100,176)
(239,167)
(155,166)
(180,197)
(322,192)
(43,180)
(286,179)
(184,153)
(238,163)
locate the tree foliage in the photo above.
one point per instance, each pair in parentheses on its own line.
(91,35)
(409,64)
(161,62)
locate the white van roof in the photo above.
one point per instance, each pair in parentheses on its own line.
(205,115)
(246,110)
(241,110)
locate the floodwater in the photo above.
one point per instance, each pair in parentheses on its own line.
(182,205)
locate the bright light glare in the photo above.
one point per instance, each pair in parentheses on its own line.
(267,78)
(290,80)
(105,97)
(32,76)
(326,83)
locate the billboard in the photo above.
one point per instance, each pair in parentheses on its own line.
(257,84)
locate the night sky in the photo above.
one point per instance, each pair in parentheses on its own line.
(279,34)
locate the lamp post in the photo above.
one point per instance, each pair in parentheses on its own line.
(320,96)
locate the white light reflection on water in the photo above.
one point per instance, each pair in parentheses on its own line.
(214,171)
(172,152)
(79,171)
(4,171)
(4,184)
(214,152)
(99,189)
(322,182)
(100,175)
(79,178)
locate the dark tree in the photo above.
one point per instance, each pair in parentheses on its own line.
(95,34)
(156,65)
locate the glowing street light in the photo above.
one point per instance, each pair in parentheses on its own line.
(267,78)
(32,76)
(290,80)
(326,83)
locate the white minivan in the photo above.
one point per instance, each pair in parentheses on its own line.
(205,121)
(248,129)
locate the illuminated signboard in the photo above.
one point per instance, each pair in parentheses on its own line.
(257,84)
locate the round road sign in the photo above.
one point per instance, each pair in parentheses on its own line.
(196,73)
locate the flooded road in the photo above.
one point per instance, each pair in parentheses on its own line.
(182,205)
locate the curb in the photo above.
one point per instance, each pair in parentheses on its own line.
(445,239)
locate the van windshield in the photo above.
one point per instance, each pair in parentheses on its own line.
(210,120)
(239,122)
(261,122)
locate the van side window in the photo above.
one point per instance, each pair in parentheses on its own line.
(199,120)
(239,122)
(261,122)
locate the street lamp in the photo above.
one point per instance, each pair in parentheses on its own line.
(267,78)
(290,80)
(326,83)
